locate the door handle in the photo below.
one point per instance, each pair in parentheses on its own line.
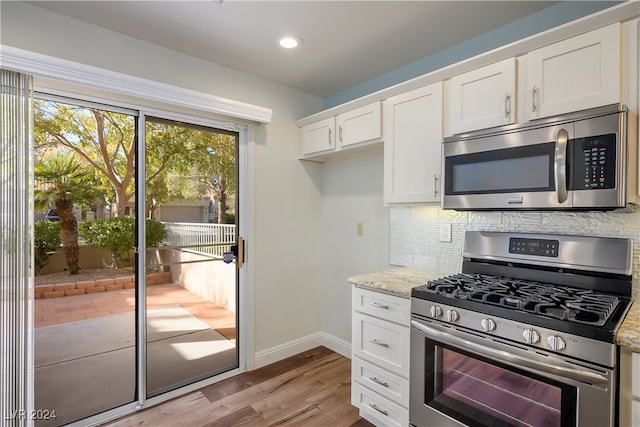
(238,251)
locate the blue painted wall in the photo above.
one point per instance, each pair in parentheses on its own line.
(545,19)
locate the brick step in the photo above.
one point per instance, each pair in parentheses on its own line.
(92,286)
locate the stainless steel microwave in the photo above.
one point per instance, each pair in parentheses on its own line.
(574,161)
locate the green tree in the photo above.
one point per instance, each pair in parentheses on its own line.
(168,148)
(61,180)
(181,160)
(214,163)
(103,139)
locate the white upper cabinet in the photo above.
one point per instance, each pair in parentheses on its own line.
(481,98)
(574,74)
(360,125)
(319,137)
(412,146)
(356,128)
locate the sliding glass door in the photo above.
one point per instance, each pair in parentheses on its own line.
(191,292)
(135,241)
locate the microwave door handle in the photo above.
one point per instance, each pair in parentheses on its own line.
(560,165)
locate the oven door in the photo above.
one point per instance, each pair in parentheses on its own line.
(465,379)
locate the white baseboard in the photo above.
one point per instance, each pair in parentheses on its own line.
(274,354)
(336,344)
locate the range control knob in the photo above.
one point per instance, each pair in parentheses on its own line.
(556,343)
(452,315)
(488,325)
(530,336)
(436,311)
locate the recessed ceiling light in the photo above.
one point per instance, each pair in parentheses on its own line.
(289,42)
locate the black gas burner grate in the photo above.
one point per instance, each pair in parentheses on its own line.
(554,301)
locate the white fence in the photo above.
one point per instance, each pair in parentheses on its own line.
(212,239)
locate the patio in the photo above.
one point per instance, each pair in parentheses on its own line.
(87,306)
(84,346)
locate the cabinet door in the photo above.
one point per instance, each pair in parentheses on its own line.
(319,136)
(360,125)
(574,74)
(481,98)
(412,146)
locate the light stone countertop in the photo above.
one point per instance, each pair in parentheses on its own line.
(629,333)
(399,281)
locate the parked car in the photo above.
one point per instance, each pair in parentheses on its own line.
(52,215)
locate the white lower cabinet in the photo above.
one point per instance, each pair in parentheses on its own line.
(378,410)
(635,389)
(380,357)
(629,388)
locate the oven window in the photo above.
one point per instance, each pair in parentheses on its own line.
(480,392)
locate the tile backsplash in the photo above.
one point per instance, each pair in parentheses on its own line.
(415,232)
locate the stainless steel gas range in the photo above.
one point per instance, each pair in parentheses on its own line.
(525,335)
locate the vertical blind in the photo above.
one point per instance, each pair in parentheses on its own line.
(16,236)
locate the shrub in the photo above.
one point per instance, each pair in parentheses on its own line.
(46,239)
(118,235)
(155,233)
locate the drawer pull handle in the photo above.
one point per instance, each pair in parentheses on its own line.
(377,304)
(382,411)
(381,344)
(377,381)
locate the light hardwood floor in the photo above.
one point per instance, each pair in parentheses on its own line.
(309,389)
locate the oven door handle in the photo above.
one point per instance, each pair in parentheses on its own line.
(559,368)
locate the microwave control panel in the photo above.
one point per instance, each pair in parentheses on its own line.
(594,163)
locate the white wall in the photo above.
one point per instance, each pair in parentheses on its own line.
(352,194)
(287,266)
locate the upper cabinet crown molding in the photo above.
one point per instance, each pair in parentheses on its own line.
(49,67)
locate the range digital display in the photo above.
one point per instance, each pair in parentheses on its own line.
(540,247)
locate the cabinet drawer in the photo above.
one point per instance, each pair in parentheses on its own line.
(387,307)
(379,410)
(382,343)
(381,381)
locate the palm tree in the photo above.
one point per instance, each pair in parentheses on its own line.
(61,180)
